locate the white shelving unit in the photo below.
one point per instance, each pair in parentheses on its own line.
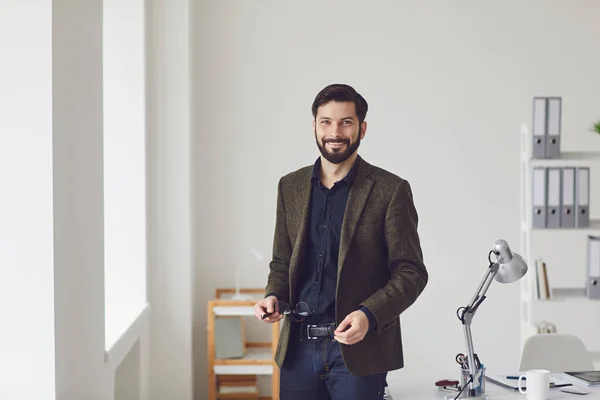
(564,251)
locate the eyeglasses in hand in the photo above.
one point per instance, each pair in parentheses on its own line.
(301,311)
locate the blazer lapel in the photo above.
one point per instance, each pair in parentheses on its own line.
(357,198)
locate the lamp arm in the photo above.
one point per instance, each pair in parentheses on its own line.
(470,356)
(484,285)
(467,316)
(468,311)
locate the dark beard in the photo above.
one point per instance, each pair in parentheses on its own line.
(338,157)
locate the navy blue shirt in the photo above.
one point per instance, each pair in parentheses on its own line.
(326,215)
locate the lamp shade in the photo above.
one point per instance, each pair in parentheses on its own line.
(511,266)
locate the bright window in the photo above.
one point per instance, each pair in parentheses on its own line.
(124,165)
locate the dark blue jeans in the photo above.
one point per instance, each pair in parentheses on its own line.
(315,370)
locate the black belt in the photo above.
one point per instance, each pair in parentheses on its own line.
(316,331)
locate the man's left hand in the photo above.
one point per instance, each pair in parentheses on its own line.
(352,329)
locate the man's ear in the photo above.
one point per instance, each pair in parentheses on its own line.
(363,130)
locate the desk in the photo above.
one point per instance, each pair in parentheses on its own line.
(399,389)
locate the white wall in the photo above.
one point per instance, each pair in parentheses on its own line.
(448,84)
(26,227)
(127,374)
(169,210)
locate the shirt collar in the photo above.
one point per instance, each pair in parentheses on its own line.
(349,178)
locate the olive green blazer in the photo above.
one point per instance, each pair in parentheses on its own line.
(380,261)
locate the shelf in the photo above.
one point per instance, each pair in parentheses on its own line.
(228,311)
(594,226)
(254,356)
(572,298)
(567,307)
(568,294)
(567,157)
(256,361)
(243,369)
(562,295)
(238,392)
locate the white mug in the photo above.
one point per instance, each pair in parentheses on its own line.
(537,384)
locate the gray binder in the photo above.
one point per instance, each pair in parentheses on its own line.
(593,268)
(539,197)
(553,126)
(539,127)
(582,200)
(567,206)
(553,197)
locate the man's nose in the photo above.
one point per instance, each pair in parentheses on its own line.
(337,129)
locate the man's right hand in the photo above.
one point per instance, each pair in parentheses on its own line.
(267,305)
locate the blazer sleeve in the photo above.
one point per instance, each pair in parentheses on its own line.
(408,275)
(278,280)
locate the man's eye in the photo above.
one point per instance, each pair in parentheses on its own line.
(347,122)
(325,122)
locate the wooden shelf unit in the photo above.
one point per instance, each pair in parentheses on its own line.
(258,358)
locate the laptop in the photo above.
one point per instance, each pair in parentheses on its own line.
(589,378)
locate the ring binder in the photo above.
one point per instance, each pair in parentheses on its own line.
(553,127)
(567,214)
(593,267)
(539,127)
(539,197)
(583,197)
(553,199)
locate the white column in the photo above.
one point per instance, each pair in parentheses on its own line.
(81,372)
(169,248)
(26,238)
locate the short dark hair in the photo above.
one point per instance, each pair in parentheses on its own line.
(341,92)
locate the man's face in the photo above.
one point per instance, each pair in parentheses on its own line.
(337,131)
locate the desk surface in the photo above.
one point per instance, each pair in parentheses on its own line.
(399,389)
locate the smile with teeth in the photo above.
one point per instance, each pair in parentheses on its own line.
(336,144)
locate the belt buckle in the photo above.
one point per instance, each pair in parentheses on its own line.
(308,332)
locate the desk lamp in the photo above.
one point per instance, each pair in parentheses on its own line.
(256,255)
(508,267)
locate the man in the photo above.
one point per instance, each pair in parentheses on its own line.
(347,262)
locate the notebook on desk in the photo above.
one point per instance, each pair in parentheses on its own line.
(589,378)
(511,381)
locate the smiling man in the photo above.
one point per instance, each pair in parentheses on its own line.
(347,261)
